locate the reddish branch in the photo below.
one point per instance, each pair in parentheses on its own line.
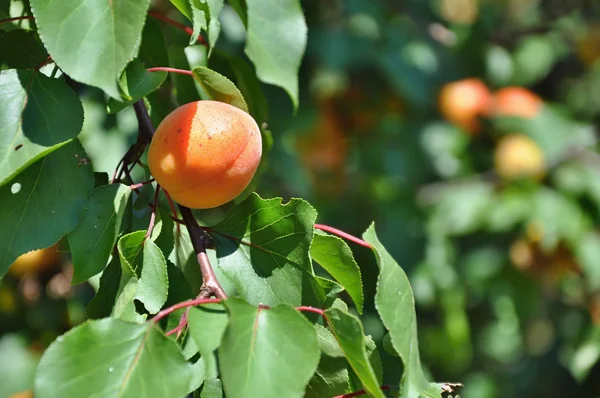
(343,234)
(176,24)
(25,17)
(172,70)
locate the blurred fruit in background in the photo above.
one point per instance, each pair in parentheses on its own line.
(518,156)
(516,101)
(36,262)
(464,102)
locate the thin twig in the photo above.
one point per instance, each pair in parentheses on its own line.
(15,19)
(343,234)
(154,210)
(172,70)
(360,392)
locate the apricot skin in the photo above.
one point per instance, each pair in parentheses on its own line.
(205,153)
(518,102)
(462,103)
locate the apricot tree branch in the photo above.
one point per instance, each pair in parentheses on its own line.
(172,70)
(210,283)
(343,234)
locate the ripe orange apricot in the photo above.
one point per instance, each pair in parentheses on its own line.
(35,262)
(464,101)
(205,153)
(518,156)
(517,101)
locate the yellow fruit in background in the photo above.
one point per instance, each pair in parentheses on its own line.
(463,102)
(205,153)
(35,262)
(518,156)
(23,394)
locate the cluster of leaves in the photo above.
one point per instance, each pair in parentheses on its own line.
(254,343)
(499,268)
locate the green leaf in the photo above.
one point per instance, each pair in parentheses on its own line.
(396,306)
(219,88)
(251,89)
(213,388)
(103,302)
(21,49)
(113,358)
(91,41)
(331,377)
(349,333)
(36,122)
(93,239)
(43,203)
(206,326)
(184,7)
(131,251)
(335,256)
(263,249)
(136,82)
(267,347)
(153,285)
(153,50)
(276,41)
(206,17)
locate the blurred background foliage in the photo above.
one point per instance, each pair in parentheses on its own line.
(466,129)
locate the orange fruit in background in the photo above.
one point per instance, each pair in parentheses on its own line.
(463,102)
(35,262)
(517,155)
(205,153)
(517,101)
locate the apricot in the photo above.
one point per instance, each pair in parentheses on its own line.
(518,102)
(35,262)
(463,102)
(205,153)
(518,156)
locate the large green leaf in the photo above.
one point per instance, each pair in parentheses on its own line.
(349,333)
(263,248)
(21,49)
(136,82)
(267,352)
(43,203)
(91,41)
(219,88)
(92,241)
(335,256)
(276,41)
(112,358)
(37,116)
(395,304)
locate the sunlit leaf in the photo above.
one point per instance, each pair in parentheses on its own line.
(262,347)
(91,41)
